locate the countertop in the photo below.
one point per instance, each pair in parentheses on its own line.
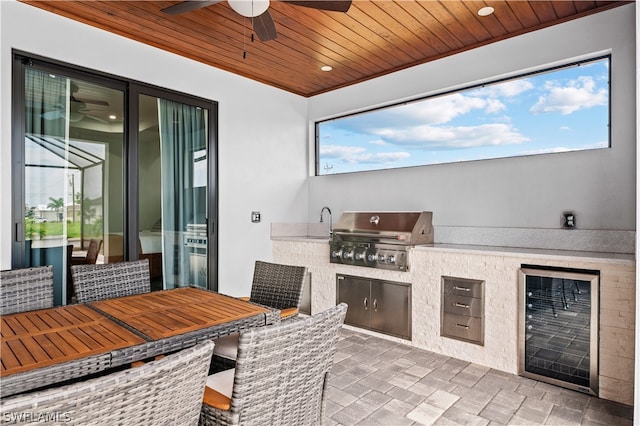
(492,250)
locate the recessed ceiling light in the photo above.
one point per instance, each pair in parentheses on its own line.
(485,11)
(326,68)
(112,117)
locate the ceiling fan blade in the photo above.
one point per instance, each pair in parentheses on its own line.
(97,102)
(187,6)
(264,27)
(331,5)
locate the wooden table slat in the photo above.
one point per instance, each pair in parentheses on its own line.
(9,360)
(12,326)
(35,350)
(21,353)
(57,335)
(169,313)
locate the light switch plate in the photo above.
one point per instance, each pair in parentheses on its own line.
(255,217)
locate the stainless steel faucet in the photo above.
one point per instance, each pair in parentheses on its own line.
(330,219)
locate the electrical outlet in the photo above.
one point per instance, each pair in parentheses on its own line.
(255,217)
(569,220)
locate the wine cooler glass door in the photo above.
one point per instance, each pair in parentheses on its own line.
(559,327)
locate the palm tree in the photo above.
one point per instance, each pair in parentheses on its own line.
(56,204)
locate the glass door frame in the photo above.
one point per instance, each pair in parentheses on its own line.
(132,90)
(550,272)
(135,90)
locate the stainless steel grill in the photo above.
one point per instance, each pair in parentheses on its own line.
(379,239)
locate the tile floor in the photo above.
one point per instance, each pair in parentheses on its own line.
(375,381)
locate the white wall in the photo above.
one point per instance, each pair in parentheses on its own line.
(527,192)
(262,130)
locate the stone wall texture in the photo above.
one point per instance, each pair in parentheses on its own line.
(499,270)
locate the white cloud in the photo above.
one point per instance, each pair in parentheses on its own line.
(379,142)
(431,137)
(337,151)
(493,106)
(354,154)
(578,94)
(380,157)
(445,108)
(506,89)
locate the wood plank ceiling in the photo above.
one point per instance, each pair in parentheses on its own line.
(372,39)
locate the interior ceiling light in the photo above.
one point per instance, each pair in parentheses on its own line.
(485,11)
(326,68)
(249,8)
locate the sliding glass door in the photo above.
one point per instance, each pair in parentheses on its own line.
(73,168)
(109,170)
(173,156)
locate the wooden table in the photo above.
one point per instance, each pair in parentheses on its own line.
(164,314)
(50,346)
(45,337)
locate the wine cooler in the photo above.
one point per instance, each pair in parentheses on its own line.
(558,326)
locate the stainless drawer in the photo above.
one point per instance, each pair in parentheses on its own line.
(462,287)
(462,305)
(463,327)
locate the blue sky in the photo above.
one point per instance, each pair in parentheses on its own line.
(557,111)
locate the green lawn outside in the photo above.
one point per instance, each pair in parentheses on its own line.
(48,229)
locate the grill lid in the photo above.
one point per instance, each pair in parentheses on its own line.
(409,228)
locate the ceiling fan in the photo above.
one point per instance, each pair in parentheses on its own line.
(258,10)
(77,108)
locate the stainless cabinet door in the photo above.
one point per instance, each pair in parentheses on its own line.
(390,310)
(355,293)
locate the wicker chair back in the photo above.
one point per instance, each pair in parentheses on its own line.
(99,282)
(26,289)
(164,392)
(276,285)
(281,373)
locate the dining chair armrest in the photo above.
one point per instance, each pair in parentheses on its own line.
(215,399)
(288,312)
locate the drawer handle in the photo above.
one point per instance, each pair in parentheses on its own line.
(461,288)
(466,327)
(375,305)
(366,304)
(461,305)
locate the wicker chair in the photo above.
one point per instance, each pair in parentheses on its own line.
(91,256)
(164,392)
(274,285)
(26,289)
(280,376)
(99,282)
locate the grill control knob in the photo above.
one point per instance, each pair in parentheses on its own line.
(371,257)
(359,255)
(347,255)
(391,259)
(381,258)
(336,254)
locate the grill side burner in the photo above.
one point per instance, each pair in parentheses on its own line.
(379,239)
